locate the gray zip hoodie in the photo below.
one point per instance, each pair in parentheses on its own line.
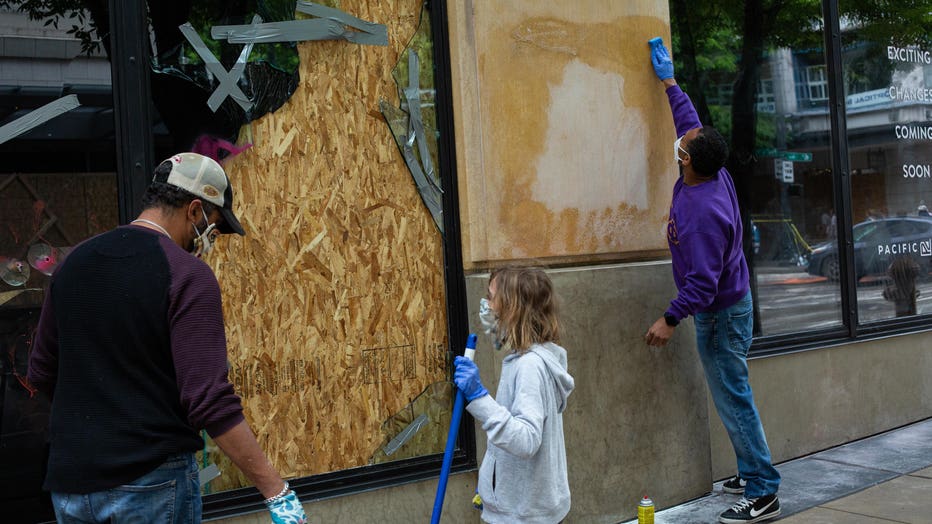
(523,474)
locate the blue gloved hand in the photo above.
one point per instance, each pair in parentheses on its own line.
(466,378)
(287,510)
(660,57)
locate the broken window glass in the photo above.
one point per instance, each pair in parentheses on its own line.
(414,123)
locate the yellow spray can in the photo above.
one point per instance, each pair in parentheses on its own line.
(646,511)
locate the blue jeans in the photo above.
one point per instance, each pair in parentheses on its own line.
(723,338)
(168,494)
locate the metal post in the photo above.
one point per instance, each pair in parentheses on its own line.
(841,170)
(129,65)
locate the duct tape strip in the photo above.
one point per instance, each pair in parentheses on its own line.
(416,121)
(37,117)
(409,431)
(207,474)
(271,32)
(228,86)
(331,24)
(370,32)
(429,194)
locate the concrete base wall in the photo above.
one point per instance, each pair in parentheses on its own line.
(639,420)
(818,399)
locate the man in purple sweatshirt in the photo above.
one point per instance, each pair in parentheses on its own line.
(711,276)
(131,350)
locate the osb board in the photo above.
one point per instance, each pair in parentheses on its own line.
(563,132)
(334,301)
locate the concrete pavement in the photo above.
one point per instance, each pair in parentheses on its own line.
(882,479)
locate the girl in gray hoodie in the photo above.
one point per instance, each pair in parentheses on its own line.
(522,478)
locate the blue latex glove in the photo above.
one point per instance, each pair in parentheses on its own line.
(287,510)
(466,377)
(660,57)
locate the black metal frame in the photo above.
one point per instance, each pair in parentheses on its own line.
(851,330)
(131,93)
(129,66)
(841,171)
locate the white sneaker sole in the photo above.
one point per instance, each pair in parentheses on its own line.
(766,516)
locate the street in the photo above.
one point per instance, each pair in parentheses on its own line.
(791,300)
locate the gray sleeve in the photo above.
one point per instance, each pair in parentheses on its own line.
(518,430)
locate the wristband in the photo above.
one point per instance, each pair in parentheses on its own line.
(281,494)
(671,320)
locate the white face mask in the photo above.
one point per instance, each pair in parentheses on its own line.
(204,242)
(489,321)
(677,149)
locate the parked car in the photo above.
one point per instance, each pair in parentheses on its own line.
(876,244)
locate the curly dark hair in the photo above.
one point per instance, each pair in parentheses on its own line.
(166,196)
(708,151)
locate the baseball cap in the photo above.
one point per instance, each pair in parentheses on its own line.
(204,178)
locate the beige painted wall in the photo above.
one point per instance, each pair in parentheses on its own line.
(563,132)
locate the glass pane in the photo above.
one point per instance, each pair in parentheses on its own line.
(196,105)
(887,72)
(766,89)
(57,187)
(414,123)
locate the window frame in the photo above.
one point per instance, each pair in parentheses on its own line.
(819,84)
(765,93)
(134,143)
(851,330)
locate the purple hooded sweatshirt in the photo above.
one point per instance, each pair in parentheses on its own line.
(704,233)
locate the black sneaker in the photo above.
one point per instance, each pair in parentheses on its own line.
(747,511)
(734,485)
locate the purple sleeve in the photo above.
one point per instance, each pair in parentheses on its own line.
(700,281)
(43,359)
(684,113)
(199,349)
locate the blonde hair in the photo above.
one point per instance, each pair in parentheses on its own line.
(526,306)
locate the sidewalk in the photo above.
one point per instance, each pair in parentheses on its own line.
(882,479)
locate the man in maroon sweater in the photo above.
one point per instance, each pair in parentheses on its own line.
(131,350)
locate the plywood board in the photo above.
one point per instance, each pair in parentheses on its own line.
(334,301)
(563,132)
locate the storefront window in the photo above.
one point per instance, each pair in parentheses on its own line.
(206,82)
(887,70)
(765,86)
(58,186)
(334,300)
(782,151)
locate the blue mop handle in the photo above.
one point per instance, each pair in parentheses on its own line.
(458,405)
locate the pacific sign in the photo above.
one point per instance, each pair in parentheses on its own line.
(923,248)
